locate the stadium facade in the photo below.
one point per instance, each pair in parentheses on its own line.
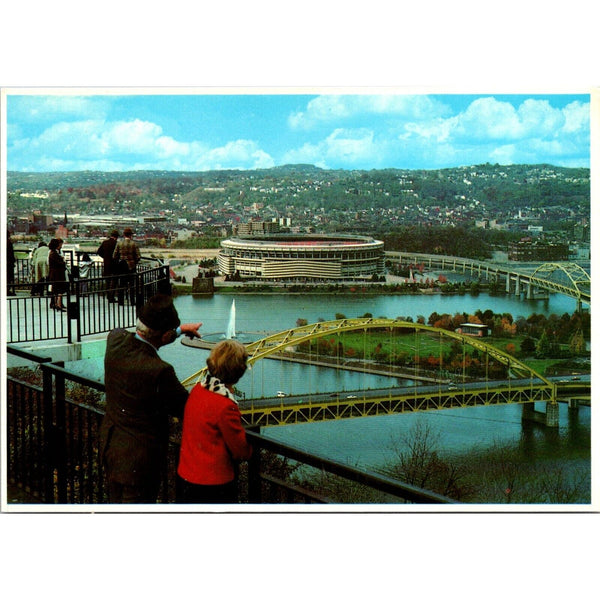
(289,257)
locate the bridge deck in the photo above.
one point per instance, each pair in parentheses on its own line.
(302,409)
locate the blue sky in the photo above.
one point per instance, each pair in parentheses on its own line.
(238,130)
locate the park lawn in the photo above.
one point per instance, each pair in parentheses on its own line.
(424,343)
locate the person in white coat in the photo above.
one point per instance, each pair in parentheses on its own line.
(39,268)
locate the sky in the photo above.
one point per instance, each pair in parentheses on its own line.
(236,129)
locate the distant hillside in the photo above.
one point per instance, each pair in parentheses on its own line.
(498,187)
(54,181)
(17,180)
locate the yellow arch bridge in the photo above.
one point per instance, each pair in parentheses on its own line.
(447,370)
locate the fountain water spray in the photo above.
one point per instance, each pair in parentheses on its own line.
(230,333)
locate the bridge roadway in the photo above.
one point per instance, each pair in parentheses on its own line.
(517,281)
(350,404)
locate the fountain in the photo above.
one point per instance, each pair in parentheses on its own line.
(210,339)
(230,333)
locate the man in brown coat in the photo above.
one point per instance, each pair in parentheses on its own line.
(127,255)
(142,390)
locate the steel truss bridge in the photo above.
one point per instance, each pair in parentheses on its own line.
(521,383)
(557,277)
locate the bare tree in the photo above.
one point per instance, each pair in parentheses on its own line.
(419,463)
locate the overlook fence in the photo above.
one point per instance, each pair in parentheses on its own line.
(29,317)
(52,450)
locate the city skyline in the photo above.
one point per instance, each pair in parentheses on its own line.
(234,129)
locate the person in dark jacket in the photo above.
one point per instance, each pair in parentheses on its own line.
(11,261)
(142,390)
(105,251)
(127,256)
(57,274)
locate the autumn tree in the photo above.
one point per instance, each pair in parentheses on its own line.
(577,344)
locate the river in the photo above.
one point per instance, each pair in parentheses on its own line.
(374,441)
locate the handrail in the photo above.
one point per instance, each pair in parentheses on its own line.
(29,317)
(60,469)
(379,482)
(74,377)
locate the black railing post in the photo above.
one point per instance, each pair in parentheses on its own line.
(59,436)
(49,446)
(139,291)
(254,485)
(254,467)
(74,309)
(164,282)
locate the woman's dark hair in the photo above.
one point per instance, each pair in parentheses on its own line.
(55,243)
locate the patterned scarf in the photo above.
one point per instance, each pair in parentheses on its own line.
(212,384)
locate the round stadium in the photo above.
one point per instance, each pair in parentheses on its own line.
(289,257)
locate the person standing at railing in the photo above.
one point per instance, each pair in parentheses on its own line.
(142,390)
(57,274)
(10,266)
(105,251)
(84,266)
(39,268)
(127,256)
(213,439)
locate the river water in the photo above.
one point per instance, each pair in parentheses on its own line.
(374,441)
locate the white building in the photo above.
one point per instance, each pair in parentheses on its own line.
(301,257)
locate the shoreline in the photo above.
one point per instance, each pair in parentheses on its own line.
(363,289)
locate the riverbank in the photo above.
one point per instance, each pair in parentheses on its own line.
(362,288)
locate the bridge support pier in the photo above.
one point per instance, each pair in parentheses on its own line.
(573,403)
(548,418)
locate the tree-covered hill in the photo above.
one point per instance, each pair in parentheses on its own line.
(500,188)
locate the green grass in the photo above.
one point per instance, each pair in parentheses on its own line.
(424,345)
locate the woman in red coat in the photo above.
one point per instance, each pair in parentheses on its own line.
(213,438)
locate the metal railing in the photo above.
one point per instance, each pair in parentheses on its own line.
(29,316)
(52,429)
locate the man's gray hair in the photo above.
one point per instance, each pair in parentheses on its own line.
(147,332)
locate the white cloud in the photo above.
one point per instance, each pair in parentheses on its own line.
(239,154)
(537,117)
(132,137)
(504,154)
(333,131)
(577,117)
(97,144)
(437,130)
(342,146)
(491,119)
(336,108)
(44,108)
(487,118)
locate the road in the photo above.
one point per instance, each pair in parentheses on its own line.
(568,385)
